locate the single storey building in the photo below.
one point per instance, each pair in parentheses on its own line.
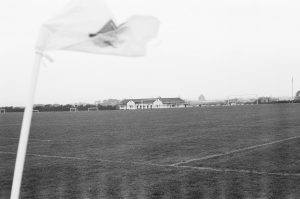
(152,103)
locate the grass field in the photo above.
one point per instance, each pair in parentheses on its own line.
(212,152)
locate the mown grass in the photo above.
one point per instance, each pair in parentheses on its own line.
(158,137)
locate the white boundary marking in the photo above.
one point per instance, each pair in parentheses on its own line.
(30,139)
(9,145)
(87,159)
(165,166)
(235,151)
(4,125)
(241,171)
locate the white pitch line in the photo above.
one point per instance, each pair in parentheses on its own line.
(165,166)
(7,152)
(235,151)
(4,125)
(60,157)
(86,159)
(241,171)
(9,145)
(30,139)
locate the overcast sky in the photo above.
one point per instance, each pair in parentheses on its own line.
(216,48)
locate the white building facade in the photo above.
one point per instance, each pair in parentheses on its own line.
(152,103)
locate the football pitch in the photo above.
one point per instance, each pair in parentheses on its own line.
(211,152)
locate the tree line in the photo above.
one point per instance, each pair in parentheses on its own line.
(56,108)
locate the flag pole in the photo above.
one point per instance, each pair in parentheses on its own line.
(24,135)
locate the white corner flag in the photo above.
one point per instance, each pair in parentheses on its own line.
(87,26)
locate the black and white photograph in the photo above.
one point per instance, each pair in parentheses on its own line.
(149,99)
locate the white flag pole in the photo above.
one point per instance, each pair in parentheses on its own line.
(23,141)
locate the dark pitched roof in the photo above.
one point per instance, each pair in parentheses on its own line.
(125,101)
(176,100)
(139,101)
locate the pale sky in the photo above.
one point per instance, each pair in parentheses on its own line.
(216,48)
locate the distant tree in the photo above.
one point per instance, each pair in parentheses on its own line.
(58,107)
(201,98)
(110,102)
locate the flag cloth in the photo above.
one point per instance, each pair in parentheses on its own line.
(88,26)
